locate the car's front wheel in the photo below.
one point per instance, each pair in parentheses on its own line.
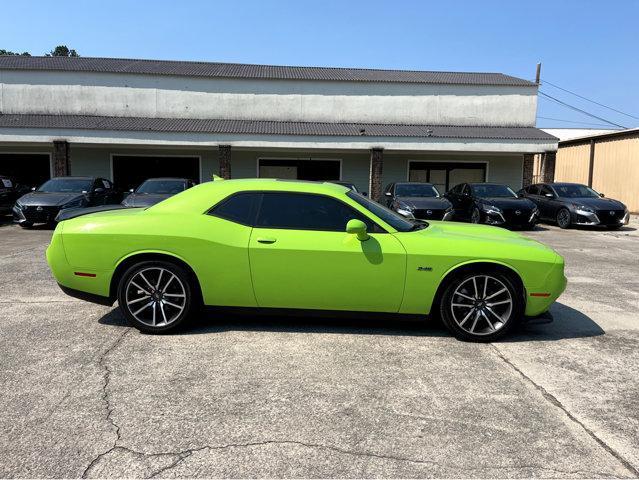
(481,306)
(155,296)
(475,217)
(563,218)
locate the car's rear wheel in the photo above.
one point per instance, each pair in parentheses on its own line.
(563,218)
(155,296)
(475,217)
(481,306)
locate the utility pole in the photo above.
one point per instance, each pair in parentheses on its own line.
(538,76)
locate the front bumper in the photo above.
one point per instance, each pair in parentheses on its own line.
(583,217)
(34,214)
(507,219)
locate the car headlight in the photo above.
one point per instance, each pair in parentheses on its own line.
(406,211)
(491,209)
(584,208)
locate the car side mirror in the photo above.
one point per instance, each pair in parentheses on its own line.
(388,194)
(601,195)
(365,194)
(549,195)
(357,227)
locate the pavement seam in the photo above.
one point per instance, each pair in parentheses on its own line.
(105,399)
(184,454)
(555,401)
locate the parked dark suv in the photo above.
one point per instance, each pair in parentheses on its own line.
(576,204)
(420,201)
(43,204)
(493,204)
(10,191)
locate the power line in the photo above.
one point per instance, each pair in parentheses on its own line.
(556,100)
(589,100)
(572,121)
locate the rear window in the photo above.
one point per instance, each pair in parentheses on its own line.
(238,208)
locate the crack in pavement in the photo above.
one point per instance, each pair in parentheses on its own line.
(105,399)
(184,454)
(555,401)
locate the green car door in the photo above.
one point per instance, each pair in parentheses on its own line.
(302,257)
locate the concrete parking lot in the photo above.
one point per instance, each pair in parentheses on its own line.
(84,395)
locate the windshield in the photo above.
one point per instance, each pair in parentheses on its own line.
(491,191)
(415,190)
(575,191)
(395,220)
(161,186)
(66,185)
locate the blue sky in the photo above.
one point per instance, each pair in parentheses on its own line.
(585,46)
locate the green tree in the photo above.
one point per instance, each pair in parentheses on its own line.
(8,52)
(62,51)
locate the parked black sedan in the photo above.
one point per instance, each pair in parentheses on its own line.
(154,190)
(421,201)
(44,203)
(493,204)
(576,204)
(10,191)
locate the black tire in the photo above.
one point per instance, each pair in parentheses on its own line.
(157,318)
(563,218)
(481,331)
(475,217)
(26,224)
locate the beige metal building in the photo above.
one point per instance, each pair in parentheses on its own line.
(608,162)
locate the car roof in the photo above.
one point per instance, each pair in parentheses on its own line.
(487,183)
(414,183)
(73,178)
(204,195)
(167,178)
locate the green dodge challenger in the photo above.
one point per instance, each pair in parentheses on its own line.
(278,244)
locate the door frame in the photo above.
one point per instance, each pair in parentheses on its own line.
(486,164)
(120,154)
(49,154)
(310,159)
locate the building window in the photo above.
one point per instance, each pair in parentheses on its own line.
(299,169)
(445,175)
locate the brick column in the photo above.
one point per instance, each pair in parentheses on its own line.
(377,164)
(527,174)
(61,160)
(548,167)
(225,161)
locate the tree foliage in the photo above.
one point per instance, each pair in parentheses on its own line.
(8,52)
(62,51)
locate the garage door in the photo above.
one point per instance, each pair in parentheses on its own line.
(31,169)
(129,171)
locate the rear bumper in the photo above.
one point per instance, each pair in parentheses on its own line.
(88,297)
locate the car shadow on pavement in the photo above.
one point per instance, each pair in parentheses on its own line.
(568,323)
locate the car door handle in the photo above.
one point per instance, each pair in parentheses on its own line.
(266,240)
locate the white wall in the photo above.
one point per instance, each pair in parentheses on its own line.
(184,97)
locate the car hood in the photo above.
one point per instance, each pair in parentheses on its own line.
(48,199)
(597,203)
(144,199)
(424,202)
(507,202)
(474,241)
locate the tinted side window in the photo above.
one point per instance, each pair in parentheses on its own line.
(302,211)
(533,190)
(238,208)
(543,190)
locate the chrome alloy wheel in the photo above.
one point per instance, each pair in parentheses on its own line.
(481,305)
(155,296)
(563,218)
